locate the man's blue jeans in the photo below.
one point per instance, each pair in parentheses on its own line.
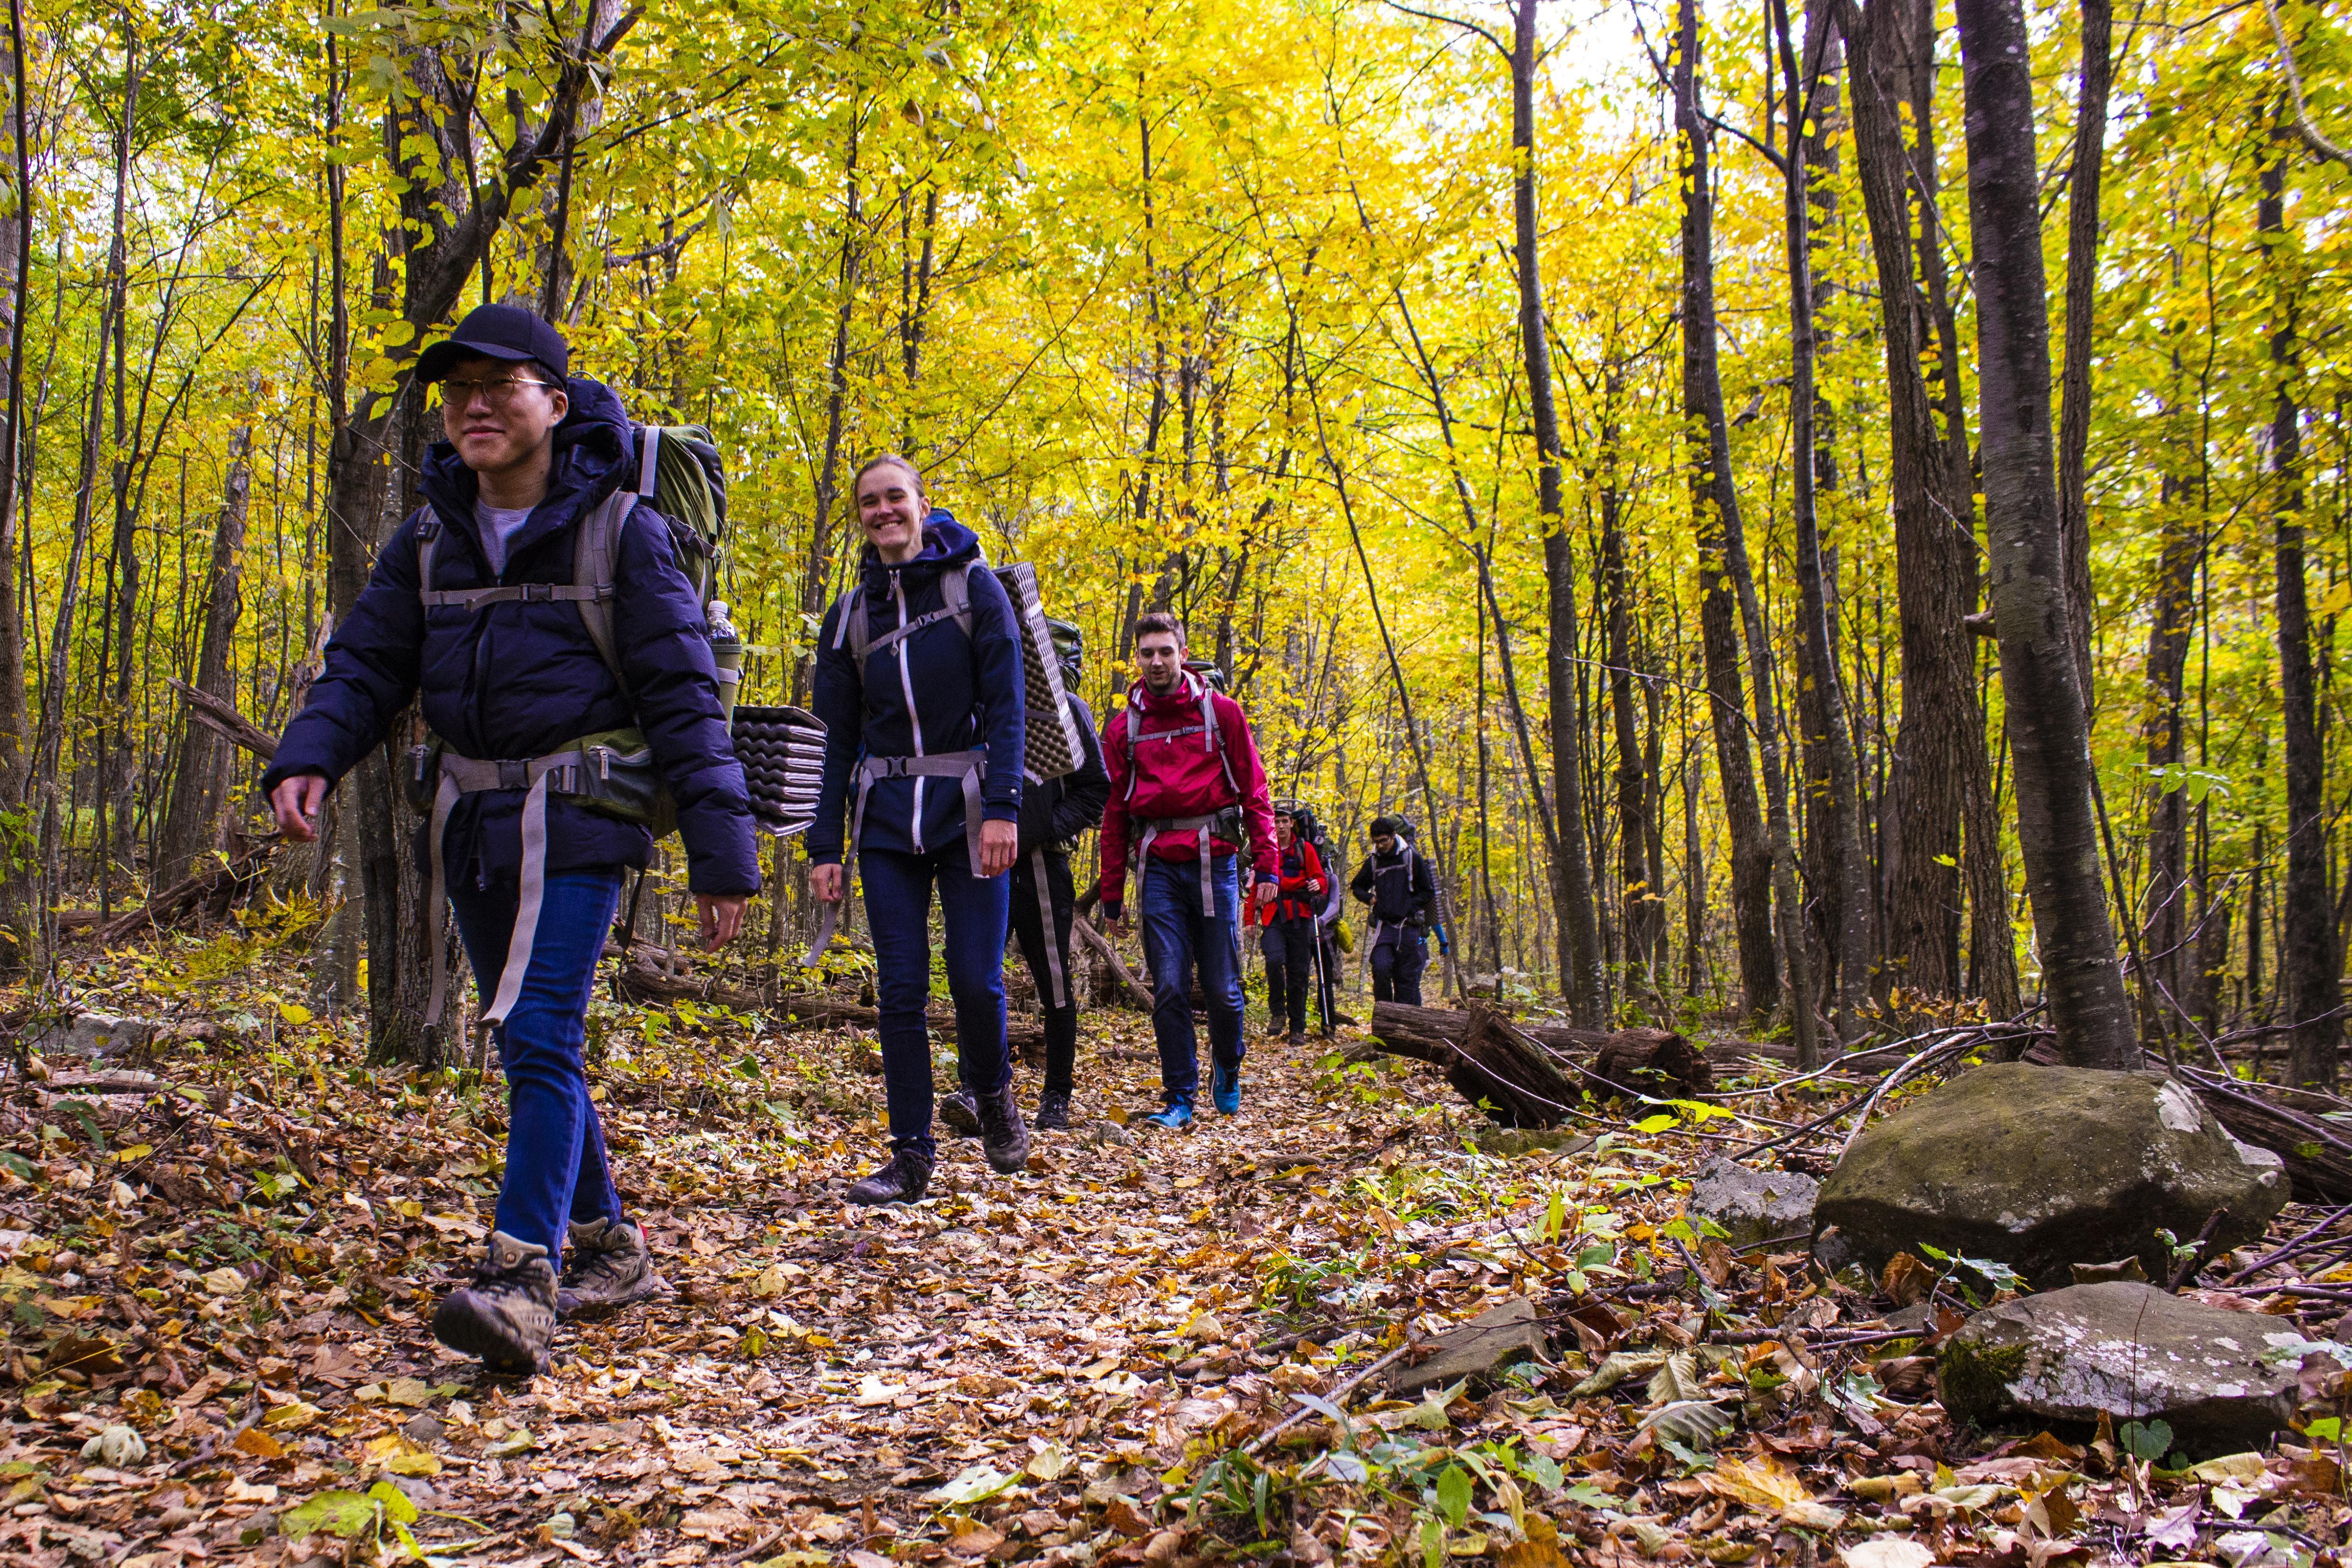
(1176,936)
(556,1171)
(975,911)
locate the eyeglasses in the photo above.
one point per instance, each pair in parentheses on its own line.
(501,392)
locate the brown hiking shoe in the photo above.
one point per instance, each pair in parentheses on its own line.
(606,1268)
(506,1316)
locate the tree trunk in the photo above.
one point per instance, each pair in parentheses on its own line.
(2308,971)
(2082,297)
(1717,505)
(22,933)
(1642,908)
(816,570)
(446,228)
(1942,779)
(1583,979)
(1832,796)
(191,823)
(2048,725)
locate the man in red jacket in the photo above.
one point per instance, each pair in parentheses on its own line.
(1187,794)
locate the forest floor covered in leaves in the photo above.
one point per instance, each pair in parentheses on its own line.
(1158,1348)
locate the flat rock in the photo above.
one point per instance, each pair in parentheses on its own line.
(92,1035)
(2042,1168)
(2131,1351)
(1497,1337)
(1753,1205)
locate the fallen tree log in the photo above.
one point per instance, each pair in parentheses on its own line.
(210,892)
(1500,1070)
(219,715)
(1137,992)
(645,981)
(1646,1061)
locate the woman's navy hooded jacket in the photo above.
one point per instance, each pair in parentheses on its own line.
(519,679)
(932,693)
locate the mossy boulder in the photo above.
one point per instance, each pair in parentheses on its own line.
(2042,1168)
(2217,1378)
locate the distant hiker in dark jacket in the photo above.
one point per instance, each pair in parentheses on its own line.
(1292,926)
(528,455)
(1398,883)
(1188,801)
(1045,902)
(924,740)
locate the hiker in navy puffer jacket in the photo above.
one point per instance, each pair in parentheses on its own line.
(529,454)
(924,745)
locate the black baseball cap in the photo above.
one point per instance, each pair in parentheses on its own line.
(498,331)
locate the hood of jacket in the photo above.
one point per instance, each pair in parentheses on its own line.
(594,455)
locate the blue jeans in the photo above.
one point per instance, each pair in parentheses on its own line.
(556,1171)
(1176,936)
(975,911)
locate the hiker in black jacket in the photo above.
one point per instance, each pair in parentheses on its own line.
(1053,815)
(1396,879)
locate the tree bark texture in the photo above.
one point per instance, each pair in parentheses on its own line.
(1831,795)
(1582,977)
(1716,505)
(2309,961)
(192,820)
(2048,723)
(1942,778)
(2082,292)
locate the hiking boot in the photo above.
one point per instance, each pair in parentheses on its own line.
(1175,1116)
(1003,1138)
(1053,1111)
(1298,1039)
(606,1268)
(1225,1087)
(961,1110)
(903,1181)
(506,1316)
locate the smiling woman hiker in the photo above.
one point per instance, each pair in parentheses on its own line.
(526,669)
(919,683)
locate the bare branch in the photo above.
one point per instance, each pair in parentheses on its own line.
(2310,132)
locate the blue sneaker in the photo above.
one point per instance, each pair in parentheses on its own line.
(1226,1089)
(1175,1116)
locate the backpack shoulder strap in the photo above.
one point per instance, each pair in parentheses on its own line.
(428,539)
(849,625)
(595,548)
(955,587)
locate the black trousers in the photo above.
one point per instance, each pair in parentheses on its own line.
(1289,948)
(1030,909)
(1398,955)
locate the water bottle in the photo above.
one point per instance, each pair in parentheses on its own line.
(727,653)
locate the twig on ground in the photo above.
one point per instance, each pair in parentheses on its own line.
(1337,1398)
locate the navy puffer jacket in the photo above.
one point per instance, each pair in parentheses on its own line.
(517,680)
(935,691)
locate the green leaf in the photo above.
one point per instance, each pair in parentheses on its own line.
(1657,1123)
(397,1507)
(2145,1441)
(1454,1495)
(337,1513)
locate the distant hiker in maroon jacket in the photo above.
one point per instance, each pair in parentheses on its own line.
(1187,794)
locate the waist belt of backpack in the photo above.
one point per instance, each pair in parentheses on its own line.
(1205,830)
(559,771)
(969,766)
(1052,938)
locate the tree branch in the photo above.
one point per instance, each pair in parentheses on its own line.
(2310,132)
